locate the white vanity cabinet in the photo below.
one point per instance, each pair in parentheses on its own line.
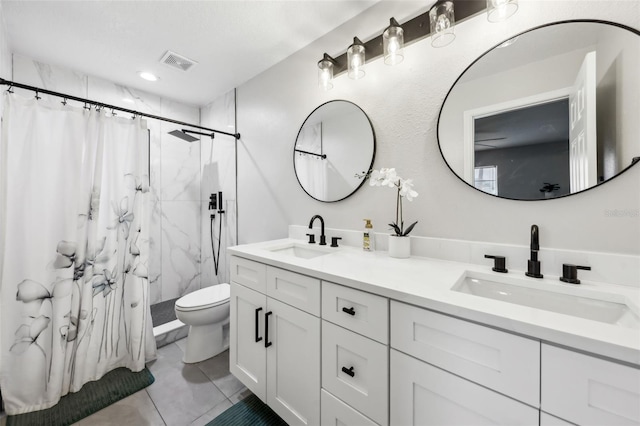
(275,347)
(355,356)
(586,390)
(459,372)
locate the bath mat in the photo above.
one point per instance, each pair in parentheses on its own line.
(249,411)
(92,397)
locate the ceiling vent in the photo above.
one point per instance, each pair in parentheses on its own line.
(177,61)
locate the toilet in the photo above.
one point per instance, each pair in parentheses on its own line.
(206,312)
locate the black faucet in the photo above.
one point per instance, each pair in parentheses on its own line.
(533,265)
(323,239)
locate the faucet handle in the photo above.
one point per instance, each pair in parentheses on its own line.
(334,241)
(570,273)
(312,238)
(499,264)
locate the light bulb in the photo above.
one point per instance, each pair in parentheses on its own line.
(393,43)
(442,21)
(500,10)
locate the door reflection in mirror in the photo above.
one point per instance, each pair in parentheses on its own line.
(593,67)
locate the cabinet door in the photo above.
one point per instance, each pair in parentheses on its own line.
(293,363)
(247,354)
(587,390)
(426,395)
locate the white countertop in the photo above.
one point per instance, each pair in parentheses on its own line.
(427,283)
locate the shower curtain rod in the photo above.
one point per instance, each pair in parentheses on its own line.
(38,90)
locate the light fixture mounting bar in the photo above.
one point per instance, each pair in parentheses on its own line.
(414,30)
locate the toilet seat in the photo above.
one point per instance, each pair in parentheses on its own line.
(204,298)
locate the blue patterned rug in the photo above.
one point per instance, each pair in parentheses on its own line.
(249,411)
(93,397)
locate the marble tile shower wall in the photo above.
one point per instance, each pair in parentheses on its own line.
(218,169)
(175,171)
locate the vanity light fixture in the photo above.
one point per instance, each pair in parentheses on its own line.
(500,10)
(325,72)
(442,21)
(393,43)
(438,22)
(356,59)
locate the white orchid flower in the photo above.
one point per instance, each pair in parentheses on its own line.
(406,189)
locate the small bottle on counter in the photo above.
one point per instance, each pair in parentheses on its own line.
(368,238)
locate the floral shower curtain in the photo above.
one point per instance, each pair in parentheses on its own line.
(74,249)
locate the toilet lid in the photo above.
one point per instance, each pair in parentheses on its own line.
(205,297)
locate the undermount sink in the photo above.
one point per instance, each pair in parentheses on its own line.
(598,306)
(300,250)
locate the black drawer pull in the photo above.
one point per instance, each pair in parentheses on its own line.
(267,343)
(350,310)
(348,371)
(258,338)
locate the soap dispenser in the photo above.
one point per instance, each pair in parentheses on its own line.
(368,238)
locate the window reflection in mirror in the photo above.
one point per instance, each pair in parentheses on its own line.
(556,111)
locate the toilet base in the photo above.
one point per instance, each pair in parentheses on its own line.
(205,341)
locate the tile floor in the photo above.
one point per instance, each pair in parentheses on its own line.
(182,394)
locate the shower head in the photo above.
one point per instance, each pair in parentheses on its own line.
(182,135)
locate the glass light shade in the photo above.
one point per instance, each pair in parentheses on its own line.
(325,74)
(499,10)
(356,59)
(442,21)
(393,43)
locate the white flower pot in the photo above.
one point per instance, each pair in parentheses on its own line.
(399,247)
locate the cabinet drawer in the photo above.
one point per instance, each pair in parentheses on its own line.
(501,361)
(364,313)
(336,412)
(426,395)
(249,273)
(366,386)
(587,390)
(297,290)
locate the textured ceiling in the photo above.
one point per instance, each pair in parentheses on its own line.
(232,41)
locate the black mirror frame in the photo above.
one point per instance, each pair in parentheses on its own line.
(594,21)
(373,155)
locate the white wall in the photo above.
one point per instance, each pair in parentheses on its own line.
(403,103)
(5,54)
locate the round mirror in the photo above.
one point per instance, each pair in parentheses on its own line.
(548,113)
(335,143)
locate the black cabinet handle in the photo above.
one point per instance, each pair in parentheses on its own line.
(349,311)
(258,338)
(348,371)
(267,343)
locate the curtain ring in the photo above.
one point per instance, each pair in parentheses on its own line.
(64,101)
(37,97)
(113,113)
(10,89)
(86,107)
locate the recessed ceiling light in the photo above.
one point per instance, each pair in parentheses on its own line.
(148,76)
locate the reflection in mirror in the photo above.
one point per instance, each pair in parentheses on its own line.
(549,113)
(335,143)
